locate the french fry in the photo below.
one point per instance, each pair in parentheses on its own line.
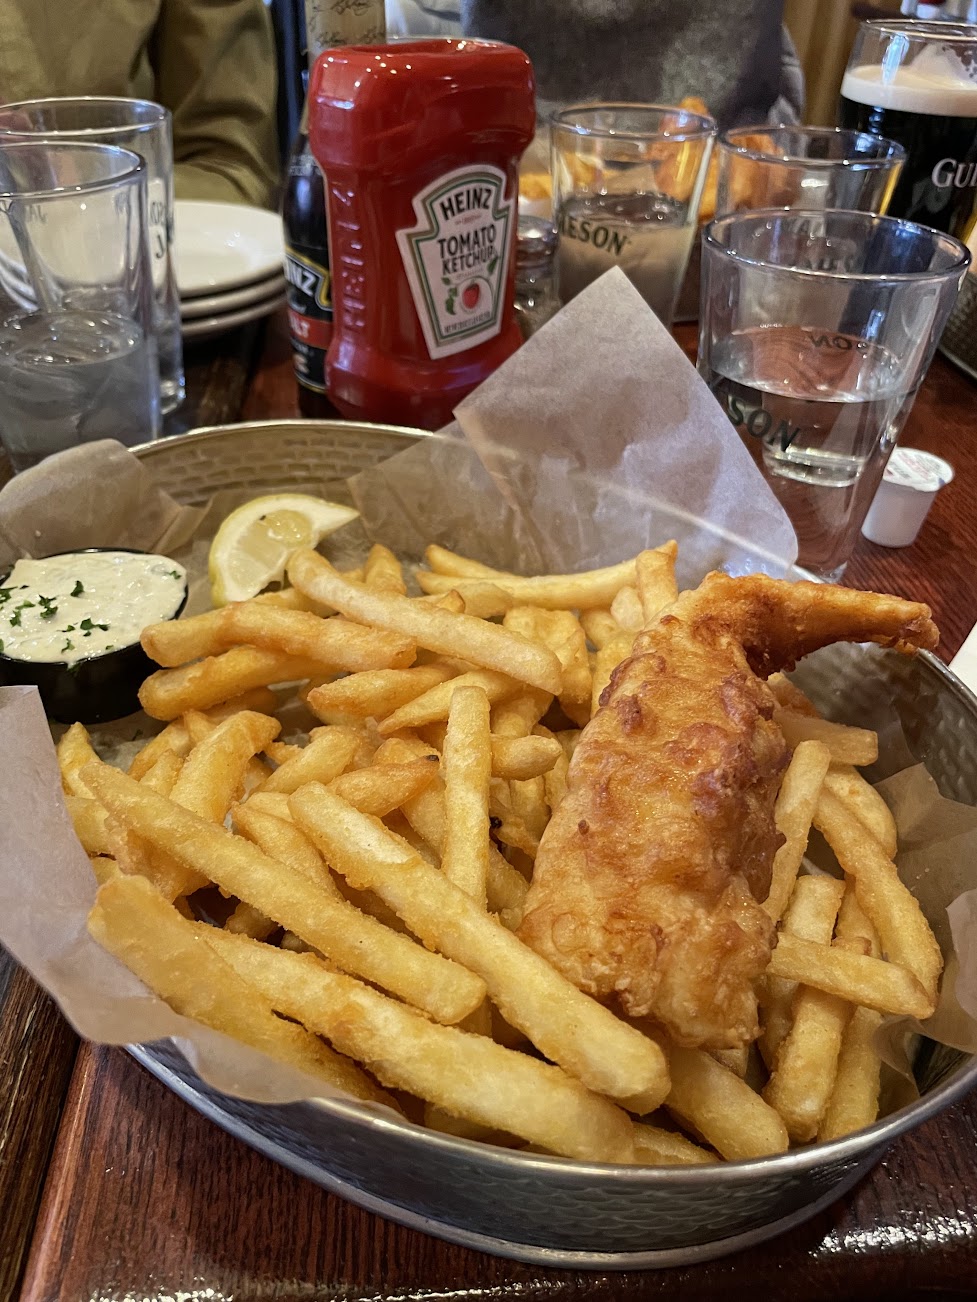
(811,916)
(523,813)
(174,737)
(521,758)
(336,642)
(654,1146)
(171,692)
(583,591)
(382,571)
(796,803)
(485,644)
(168,953)
(566,1025)
(323,759)
(374,693)
(468,1075)
(212,775)
(847,745)
(163,775)
(282,840)
(862,799)
(350,939)
(385,787)
(627,610)
(791,697)
(803,1076)
(433,705)
(443,561)
(904,933)
(655,575)
(75,751)
(104,867)
(466,771)
(562,633)
(483,600)
(854,1101)
(600,626)
(723,1109)
(88,818)
(856,977)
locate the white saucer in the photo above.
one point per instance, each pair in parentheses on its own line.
(222,246)
(210,326)
(217,304)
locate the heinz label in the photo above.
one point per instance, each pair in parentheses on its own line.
(457,255)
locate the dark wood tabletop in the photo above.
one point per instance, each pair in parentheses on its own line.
(113,1189)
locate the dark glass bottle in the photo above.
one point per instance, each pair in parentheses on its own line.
(307,273)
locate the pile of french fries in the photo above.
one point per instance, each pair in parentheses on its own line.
(346,900)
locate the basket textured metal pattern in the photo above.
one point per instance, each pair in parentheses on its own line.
(549,1210)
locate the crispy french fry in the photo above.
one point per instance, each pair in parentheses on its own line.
(723,1109)
(811,916)
(583,591)
(385,787)
(168,953)
(627,610)
(483,643)
(336,642)
(796,803)
(654,1146)
(870,982)
(162,776)
(862,799)
(467,1075)
(433,705)
(847,745)
(352,940)
(734,1060)
(75,751)
(443,561)
(88,818)
(104,867)
(566,1025)
(600,626)
(655,575)
(212,775)
(791,697)
(382,571)
(904,933)
(324,758)
(484,600)
(562,633)
(280,839)
(521,758)
(174,737)
(523,811)
(171,692)
(466,771)
(375,693)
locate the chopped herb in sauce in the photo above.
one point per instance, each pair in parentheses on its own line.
(78,589)
(88,627)
(50,605)
(16,617)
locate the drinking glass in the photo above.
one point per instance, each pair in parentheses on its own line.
(146,129)
(816,330)
(627,179)
(805,167)
(916,82)
(77,344)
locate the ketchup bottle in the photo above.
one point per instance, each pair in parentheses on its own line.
(419,143)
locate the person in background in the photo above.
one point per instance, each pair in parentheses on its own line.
(735,55)
(210,62)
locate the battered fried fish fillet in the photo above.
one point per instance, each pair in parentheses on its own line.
(648,877)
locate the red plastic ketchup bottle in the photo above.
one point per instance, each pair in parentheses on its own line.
(419,143)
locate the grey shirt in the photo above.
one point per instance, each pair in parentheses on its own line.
(734,54)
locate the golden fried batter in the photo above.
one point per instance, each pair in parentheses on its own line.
(648,877)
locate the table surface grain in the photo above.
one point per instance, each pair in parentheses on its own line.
(114,1189)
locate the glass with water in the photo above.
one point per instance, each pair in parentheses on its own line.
(816,330)
(78,357)
(145,128)
(627,180)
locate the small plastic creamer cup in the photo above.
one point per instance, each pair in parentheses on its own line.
(911,481)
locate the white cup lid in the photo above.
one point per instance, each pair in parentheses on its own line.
(913,468)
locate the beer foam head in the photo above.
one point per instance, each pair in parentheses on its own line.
(936,82)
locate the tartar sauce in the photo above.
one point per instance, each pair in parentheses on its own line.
(82,604)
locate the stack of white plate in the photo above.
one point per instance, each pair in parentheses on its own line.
(229,265)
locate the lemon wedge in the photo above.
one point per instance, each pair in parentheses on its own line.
(252,546)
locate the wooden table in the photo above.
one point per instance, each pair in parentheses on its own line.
(112,1189)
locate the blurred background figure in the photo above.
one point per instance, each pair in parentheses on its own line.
(210,62)
(423,17)
(735,55)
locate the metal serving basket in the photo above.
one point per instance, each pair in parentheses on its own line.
(552,1211)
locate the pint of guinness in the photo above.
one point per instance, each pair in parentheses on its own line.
(916,83)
